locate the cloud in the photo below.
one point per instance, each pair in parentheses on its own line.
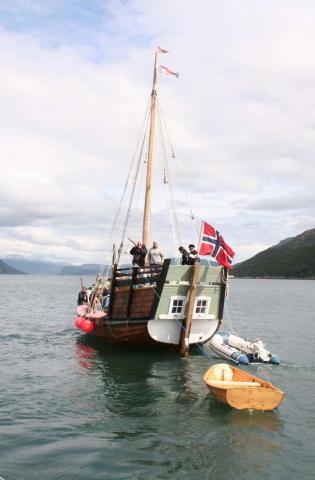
(294,201)
(75,81)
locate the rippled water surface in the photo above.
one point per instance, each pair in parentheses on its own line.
(74,409)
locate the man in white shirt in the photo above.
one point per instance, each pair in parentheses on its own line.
(156,255)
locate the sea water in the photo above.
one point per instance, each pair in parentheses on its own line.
(72,408)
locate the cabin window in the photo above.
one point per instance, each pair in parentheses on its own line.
(177,305)
(202,305)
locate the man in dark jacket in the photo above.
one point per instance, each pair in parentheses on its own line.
(185,256)
(82,297)
(138,253)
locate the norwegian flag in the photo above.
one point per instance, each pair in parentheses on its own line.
(212,243)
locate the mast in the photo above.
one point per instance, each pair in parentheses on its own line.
(148,189)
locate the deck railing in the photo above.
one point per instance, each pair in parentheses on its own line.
(137,275)
(128,299)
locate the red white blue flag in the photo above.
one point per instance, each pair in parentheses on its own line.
(161,50)
(168,71)
(212,243)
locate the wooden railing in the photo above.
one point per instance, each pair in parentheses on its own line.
(127,298)
(136,276)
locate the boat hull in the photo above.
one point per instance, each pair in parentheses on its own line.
(135,334)
(241,351)
(242,390)
(138,333)
(253,398)
(148,308)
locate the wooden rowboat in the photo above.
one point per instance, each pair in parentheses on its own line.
(241,390)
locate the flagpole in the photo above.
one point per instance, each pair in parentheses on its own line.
(201,230)
(148,189)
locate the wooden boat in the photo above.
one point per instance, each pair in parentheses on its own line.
(177,305)
(241,390)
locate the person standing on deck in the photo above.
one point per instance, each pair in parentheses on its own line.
(193,254)
(156,255)
(185,256)
(82,297)
(138,253)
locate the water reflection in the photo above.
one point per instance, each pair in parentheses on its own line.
(268,421)
(160,402)
(85,355)
(131,380)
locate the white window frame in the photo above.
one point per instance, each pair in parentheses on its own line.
(174,316)
(205,313)
(180,314)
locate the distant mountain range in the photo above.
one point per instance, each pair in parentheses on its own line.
(291,258)
(19,264)
(85,269)
(7,269)
(28,265)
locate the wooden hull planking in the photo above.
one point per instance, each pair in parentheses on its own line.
(135,334)
(254,398)
(139,300)
(127,333)
(243,391)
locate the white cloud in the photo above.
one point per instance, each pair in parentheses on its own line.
(241,120)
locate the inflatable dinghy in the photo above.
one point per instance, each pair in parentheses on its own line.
(241,351)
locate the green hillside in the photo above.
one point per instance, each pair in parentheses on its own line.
(291,258)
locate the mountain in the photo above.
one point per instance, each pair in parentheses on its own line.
(93,269)
(7,269)
(85,269)
(33,266)
(291,258)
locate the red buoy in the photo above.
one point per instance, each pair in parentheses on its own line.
(87,326)
(79,321)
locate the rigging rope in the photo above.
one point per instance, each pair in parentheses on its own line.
(140,185)
(184,189)
(131,200)
(119,209)
(167,179)
(144,124)
(228,316)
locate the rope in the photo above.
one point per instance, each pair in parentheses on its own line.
(192,216)
(227,312)
(168,177)
(166,182)
(229,319)
(144,122)
(119,209)
(130,201)
(140,186)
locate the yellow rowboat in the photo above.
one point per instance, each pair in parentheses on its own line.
(241,390)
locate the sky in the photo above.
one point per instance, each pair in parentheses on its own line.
(74,86)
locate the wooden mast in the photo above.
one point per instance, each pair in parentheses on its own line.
(184,338)
(148,189)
